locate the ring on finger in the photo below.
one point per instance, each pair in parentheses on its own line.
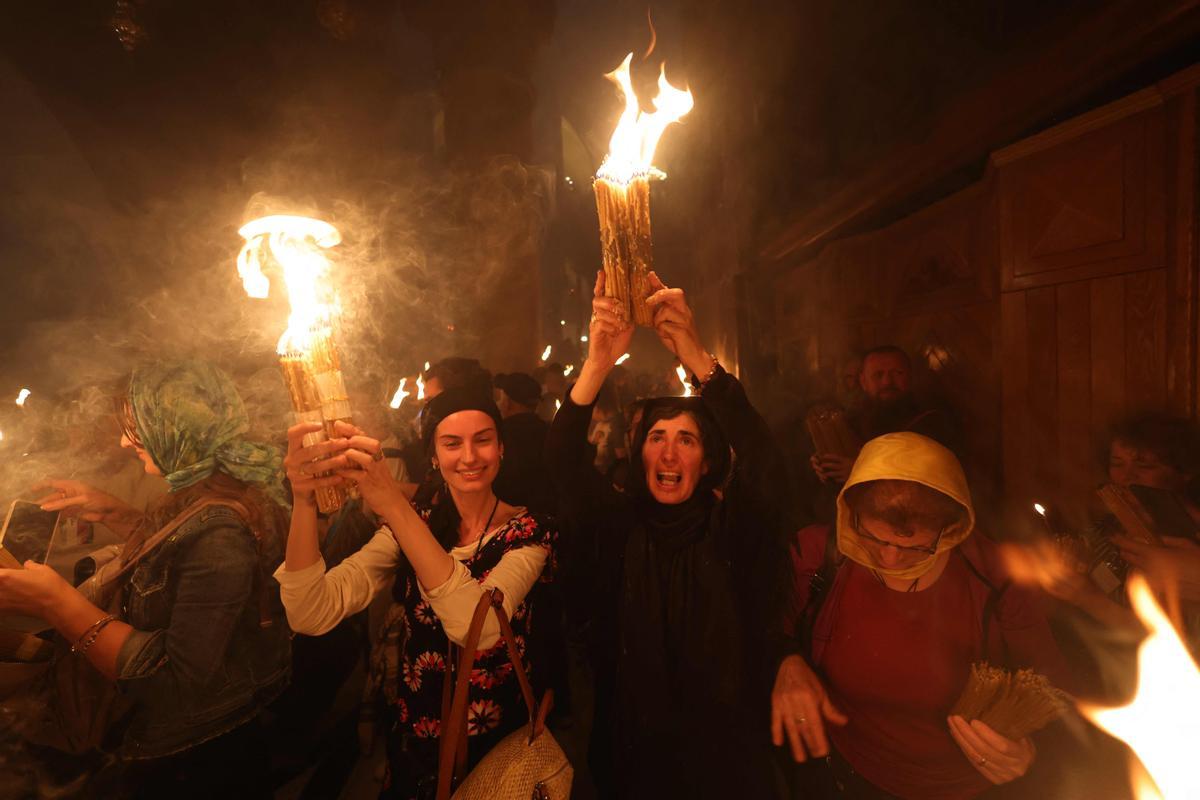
(378,455)
(982,760)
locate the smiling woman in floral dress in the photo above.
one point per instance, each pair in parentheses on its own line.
(443,557)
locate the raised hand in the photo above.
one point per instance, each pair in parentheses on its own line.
(676,327)
(609,331)
(361,463)
(310,468)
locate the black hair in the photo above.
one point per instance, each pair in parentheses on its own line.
(1173,440)
(716,447)
(457,372)
(887,350)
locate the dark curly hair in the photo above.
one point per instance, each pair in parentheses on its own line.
(717,456)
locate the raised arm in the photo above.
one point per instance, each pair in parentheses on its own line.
(582,488)
(317,600)
(759,461)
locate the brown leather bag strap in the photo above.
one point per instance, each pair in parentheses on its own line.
(514,655)
(454,727)
(452,749)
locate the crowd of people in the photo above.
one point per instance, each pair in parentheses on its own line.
(743,639)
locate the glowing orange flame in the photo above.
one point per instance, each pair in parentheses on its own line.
(687,386)
(546,353)
(631,149)
(421,384)
(567,372)
(22,396)
(1159,724)
(297,245)
(623,358)
(400,394)
(1040,509)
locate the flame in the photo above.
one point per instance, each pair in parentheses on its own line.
(22,396)
(400,394)
(421,386)
(1039,508)
(687,386)
(631,149)
(567,372)
(1159,724)
(427,366)
(1,436)
(583,338)
(297,245)
(546,353)
(557,405)
(623,359)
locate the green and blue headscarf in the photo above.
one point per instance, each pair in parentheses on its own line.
(191,421)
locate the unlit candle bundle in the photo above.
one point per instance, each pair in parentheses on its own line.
(1014,704)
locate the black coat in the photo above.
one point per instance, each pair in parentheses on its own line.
(524,479)
(694,631)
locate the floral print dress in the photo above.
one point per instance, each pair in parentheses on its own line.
(495,697)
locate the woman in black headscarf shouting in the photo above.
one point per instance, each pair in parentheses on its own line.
(692,562)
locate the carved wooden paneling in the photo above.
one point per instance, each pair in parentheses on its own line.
(1014,395)
(1107,329)
(1076,445)
(1087,206)
(1044,303)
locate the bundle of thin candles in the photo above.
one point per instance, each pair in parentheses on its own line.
(624,212)
(831,433)
(1014,704)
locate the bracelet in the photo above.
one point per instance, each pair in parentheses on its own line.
(88,637)
(712,373)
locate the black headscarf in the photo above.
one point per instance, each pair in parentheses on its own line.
(450,402)
(444,519)
(678,594)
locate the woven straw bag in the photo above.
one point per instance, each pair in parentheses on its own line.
(528,764)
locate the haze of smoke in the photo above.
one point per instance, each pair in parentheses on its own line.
(421,251)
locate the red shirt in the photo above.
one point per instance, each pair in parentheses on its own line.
(896,662)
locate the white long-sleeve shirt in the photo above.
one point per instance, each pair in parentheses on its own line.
(316,600)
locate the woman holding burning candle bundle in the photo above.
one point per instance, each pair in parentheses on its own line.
(443,557)
(897,608)
(182,630)
(692,556)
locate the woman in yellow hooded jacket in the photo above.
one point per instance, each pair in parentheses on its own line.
(896,607)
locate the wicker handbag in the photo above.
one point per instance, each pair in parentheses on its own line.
(528,764)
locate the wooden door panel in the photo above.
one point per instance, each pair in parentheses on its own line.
(1089,206)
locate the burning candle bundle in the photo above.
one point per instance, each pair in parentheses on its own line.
(308,355)
(622,188)
(1012,704)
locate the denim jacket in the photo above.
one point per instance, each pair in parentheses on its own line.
(199,661)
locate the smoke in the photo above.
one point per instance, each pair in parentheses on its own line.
(425,248)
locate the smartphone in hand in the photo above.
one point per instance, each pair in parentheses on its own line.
(27,534)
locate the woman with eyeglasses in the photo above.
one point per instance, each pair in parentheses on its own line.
(895,606)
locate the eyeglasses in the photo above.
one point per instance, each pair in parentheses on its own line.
(929,549)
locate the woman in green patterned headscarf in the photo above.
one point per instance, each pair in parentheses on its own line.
(200,643)
(188,419)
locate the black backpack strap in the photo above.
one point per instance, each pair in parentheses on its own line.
(993,598)
(818,588)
